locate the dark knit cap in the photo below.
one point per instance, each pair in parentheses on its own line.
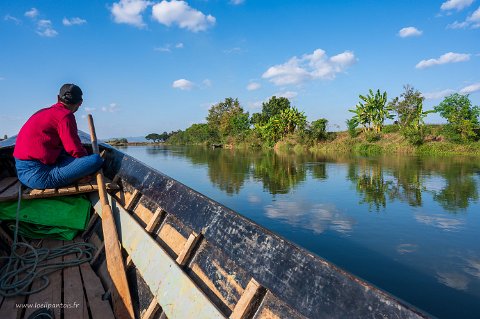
(70,94)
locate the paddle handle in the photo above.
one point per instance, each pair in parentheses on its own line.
(122,301)
(93,134)
(102,190)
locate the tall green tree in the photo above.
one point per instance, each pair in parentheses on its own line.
(154,137)
(199,133)
(164,136)
(462,117)
(318,129)
(228,117)
(273,107)
(409,109)
(407,105)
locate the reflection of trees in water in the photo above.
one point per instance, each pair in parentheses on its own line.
(407,186)
(404,179)
(377,180)
(461,188)
(279,173)
(227,169)
(319,170)
(370,184)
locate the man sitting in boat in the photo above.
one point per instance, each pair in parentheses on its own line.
(48,152)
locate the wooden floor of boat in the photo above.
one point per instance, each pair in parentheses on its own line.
(74,292)
(9,189)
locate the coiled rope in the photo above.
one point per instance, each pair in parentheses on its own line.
(22,269)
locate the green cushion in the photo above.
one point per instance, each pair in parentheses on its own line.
(55,217)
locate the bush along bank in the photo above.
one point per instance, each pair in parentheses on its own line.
(282,126)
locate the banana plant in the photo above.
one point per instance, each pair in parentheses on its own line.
(372,111)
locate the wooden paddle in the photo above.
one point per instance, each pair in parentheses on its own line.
(122,301)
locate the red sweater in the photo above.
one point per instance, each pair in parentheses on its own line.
(47,133)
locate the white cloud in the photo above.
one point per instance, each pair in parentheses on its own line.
(474,18)
(475,15)
(437,94)
(130,12)
(12,18)
(471,88)
(32,13)
(45,29)
(88,109)
(472,21)
(237,2)
(163,49)
(207,83)
(180,13)
(309,67)
(253,86)
(409,32)
(286,94)
(458,25)
(183,84)
(168,47)
(73,21)
(112,108)
(456,4)
(449,57)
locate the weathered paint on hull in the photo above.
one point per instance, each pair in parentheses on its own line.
(311,286)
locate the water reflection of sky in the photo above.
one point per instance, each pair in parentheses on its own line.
(443,223)
(409,226)
(317,217)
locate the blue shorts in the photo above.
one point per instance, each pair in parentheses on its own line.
(65,171)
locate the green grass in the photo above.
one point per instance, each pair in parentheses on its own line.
(367,149)
(394,143)
(448,148)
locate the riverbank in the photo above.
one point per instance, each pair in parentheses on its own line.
(391,143)
(342,142)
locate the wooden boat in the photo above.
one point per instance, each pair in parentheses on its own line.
(188,256)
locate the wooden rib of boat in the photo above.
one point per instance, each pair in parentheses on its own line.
(188,256)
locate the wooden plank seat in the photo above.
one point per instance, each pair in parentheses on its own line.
(74,292)
(9,189)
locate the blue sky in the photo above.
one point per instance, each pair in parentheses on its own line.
(154,66)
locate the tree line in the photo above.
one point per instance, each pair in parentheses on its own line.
(228,123)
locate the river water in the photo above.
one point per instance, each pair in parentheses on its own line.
(409,225)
